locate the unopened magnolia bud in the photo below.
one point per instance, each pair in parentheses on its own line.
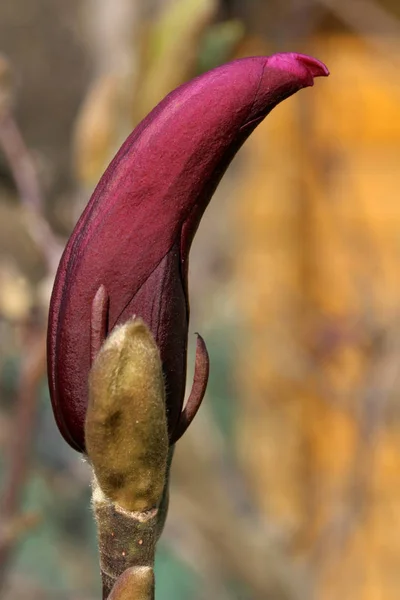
(126,425)
(135,235)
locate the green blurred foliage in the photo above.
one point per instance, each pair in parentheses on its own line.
(175,581)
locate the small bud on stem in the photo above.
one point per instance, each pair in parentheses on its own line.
(135,583)
(126,429)
(127,444)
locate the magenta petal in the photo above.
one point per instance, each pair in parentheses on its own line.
(135,233)
(300,65)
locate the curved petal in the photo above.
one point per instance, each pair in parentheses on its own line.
(142,218)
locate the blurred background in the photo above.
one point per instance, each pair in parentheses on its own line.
(287,485)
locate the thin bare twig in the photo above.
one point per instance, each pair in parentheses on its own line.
(32,371)
(26,180)
(237,545)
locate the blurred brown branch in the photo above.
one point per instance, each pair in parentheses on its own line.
(33,368)
(24,173)
(33,334)
(232,545)
(23,170)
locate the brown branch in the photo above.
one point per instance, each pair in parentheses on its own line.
(214,534)
(26,180)
(32,371)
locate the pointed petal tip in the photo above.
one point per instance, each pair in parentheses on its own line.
(315,66)
(301,65)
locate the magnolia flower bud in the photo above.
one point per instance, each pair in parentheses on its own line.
(132,242)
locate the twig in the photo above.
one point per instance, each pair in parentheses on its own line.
(33,361)
(26,180)
(239,544)
(32,370)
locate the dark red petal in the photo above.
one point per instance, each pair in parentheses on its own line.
(147,207)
